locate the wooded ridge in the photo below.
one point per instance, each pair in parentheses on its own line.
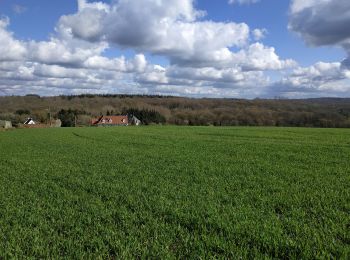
(320,112)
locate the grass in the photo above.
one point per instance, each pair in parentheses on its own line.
(175,192)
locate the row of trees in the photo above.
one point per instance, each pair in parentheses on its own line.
(78,110)
(69,117)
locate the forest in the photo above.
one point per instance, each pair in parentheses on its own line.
(321,112)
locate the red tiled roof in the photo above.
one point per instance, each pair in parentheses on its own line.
(110,120)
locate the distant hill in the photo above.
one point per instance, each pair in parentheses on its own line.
(329,100)
(317,112)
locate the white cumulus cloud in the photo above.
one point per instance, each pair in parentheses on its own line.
(204,57)
(10,48)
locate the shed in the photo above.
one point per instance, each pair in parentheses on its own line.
(5,124)
(134,120)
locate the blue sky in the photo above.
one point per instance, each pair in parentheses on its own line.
(39,17)
(34,23)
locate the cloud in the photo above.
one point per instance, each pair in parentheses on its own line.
(205,57)
(232,77)
(259,34)
(317,75)
(322,22)
(171,29)
(260,57)
(11,49)
(51,79)
(62,52)
(174,29)
(320,79)
(241,2)
(62,65)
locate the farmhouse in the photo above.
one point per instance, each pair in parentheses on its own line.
(110,121)
(5,124)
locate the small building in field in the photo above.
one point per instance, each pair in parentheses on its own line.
(110,121)
(133,120)
(5,124)
(29,121)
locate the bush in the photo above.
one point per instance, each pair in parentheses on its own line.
(22,112)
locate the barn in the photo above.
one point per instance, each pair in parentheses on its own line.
(110,121)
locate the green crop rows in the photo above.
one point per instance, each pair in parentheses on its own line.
(175,192)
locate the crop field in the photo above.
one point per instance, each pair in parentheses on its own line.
(175,192)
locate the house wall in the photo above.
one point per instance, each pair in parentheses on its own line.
(110,125)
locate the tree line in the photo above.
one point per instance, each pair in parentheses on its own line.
(78,110)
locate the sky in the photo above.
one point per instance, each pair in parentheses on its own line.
(194,48)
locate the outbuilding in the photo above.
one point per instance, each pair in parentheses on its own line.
(5,124)
(133,120)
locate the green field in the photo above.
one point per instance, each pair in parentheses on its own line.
(175,192)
